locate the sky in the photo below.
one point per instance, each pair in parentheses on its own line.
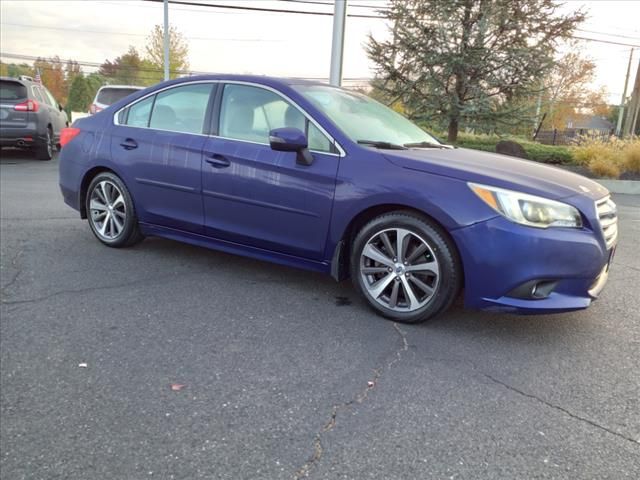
(278,44)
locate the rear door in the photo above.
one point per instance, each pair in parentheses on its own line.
(11,94)
(157,143)
(57,117)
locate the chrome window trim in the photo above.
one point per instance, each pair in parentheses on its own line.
(341,151)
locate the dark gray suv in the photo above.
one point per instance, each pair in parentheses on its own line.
(30,117)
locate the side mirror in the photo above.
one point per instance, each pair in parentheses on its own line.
(60,107)
(291,140)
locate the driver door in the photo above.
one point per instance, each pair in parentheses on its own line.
(256,196)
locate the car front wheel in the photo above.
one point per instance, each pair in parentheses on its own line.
(110,211)
(405,266)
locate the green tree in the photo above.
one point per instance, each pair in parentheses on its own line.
(466,60)
(71,71)
(178,51)
(15,70)
(79,95)
(124,69)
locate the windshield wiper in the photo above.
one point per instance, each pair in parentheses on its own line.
(383,145)
(427,145)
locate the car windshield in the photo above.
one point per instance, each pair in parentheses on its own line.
(365,120)
(109,96)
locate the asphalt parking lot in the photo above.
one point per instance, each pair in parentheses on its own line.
(286,373)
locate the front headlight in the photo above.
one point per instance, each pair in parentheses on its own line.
(528,209)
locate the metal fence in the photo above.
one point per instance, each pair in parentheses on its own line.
(571,136)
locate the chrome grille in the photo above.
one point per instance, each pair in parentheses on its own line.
(608,217)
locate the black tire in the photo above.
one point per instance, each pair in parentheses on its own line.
(130,233)
(45,148)
(449,277)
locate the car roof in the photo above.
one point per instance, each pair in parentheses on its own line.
(260,79)
(137,87)
(16,79)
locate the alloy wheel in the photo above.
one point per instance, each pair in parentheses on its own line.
(399,270)
(108,212)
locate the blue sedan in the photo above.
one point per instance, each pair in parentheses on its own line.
(317,177)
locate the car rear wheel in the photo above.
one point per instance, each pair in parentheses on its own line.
(110,211)
(46,147)
(405,267)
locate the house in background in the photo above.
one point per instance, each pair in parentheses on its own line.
(590,125)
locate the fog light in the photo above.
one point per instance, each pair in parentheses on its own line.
(534,289)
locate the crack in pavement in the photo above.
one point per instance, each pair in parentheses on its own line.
(358,398)
(147,281)
(13,263)
(561,409)
(473,367)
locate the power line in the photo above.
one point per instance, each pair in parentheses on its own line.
(607,33)
(261,9)
(330,4)
(112,32)
(86,63)
(605,41)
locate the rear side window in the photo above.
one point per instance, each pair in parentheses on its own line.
(37,93)
(137,115)
(181,109)
(109,96)
(49,98)
(12,90)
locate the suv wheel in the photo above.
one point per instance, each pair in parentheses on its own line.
(405,267)
(46,147)
(110,211)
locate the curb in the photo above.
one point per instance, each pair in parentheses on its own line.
(627,187)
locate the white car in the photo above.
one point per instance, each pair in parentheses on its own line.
(110,94)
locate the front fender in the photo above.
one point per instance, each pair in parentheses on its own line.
(449,201)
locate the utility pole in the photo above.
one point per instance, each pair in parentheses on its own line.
(634,105)
(337,44)
(624,94)
(166,40)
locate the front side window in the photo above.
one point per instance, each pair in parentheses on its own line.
(250,113)
(181,109)
(363,119)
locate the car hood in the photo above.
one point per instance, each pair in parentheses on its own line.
(497,170)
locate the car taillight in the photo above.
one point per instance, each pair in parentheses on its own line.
(28,106)
(94,109)
(68,134)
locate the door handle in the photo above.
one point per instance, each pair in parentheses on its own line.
(218,161)
(129,144)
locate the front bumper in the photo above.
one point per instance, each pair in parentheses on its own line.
(499,256)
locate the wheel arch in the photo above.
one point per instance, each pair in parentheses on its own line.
(342,250)
(84,186)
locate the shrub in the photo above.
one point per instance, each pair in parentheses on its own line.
(603,167)
(631,156)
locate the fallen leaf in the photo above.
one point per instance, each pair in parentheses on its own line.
(176,387)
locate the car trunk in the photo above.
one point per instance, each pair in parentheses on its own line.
(11,94)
